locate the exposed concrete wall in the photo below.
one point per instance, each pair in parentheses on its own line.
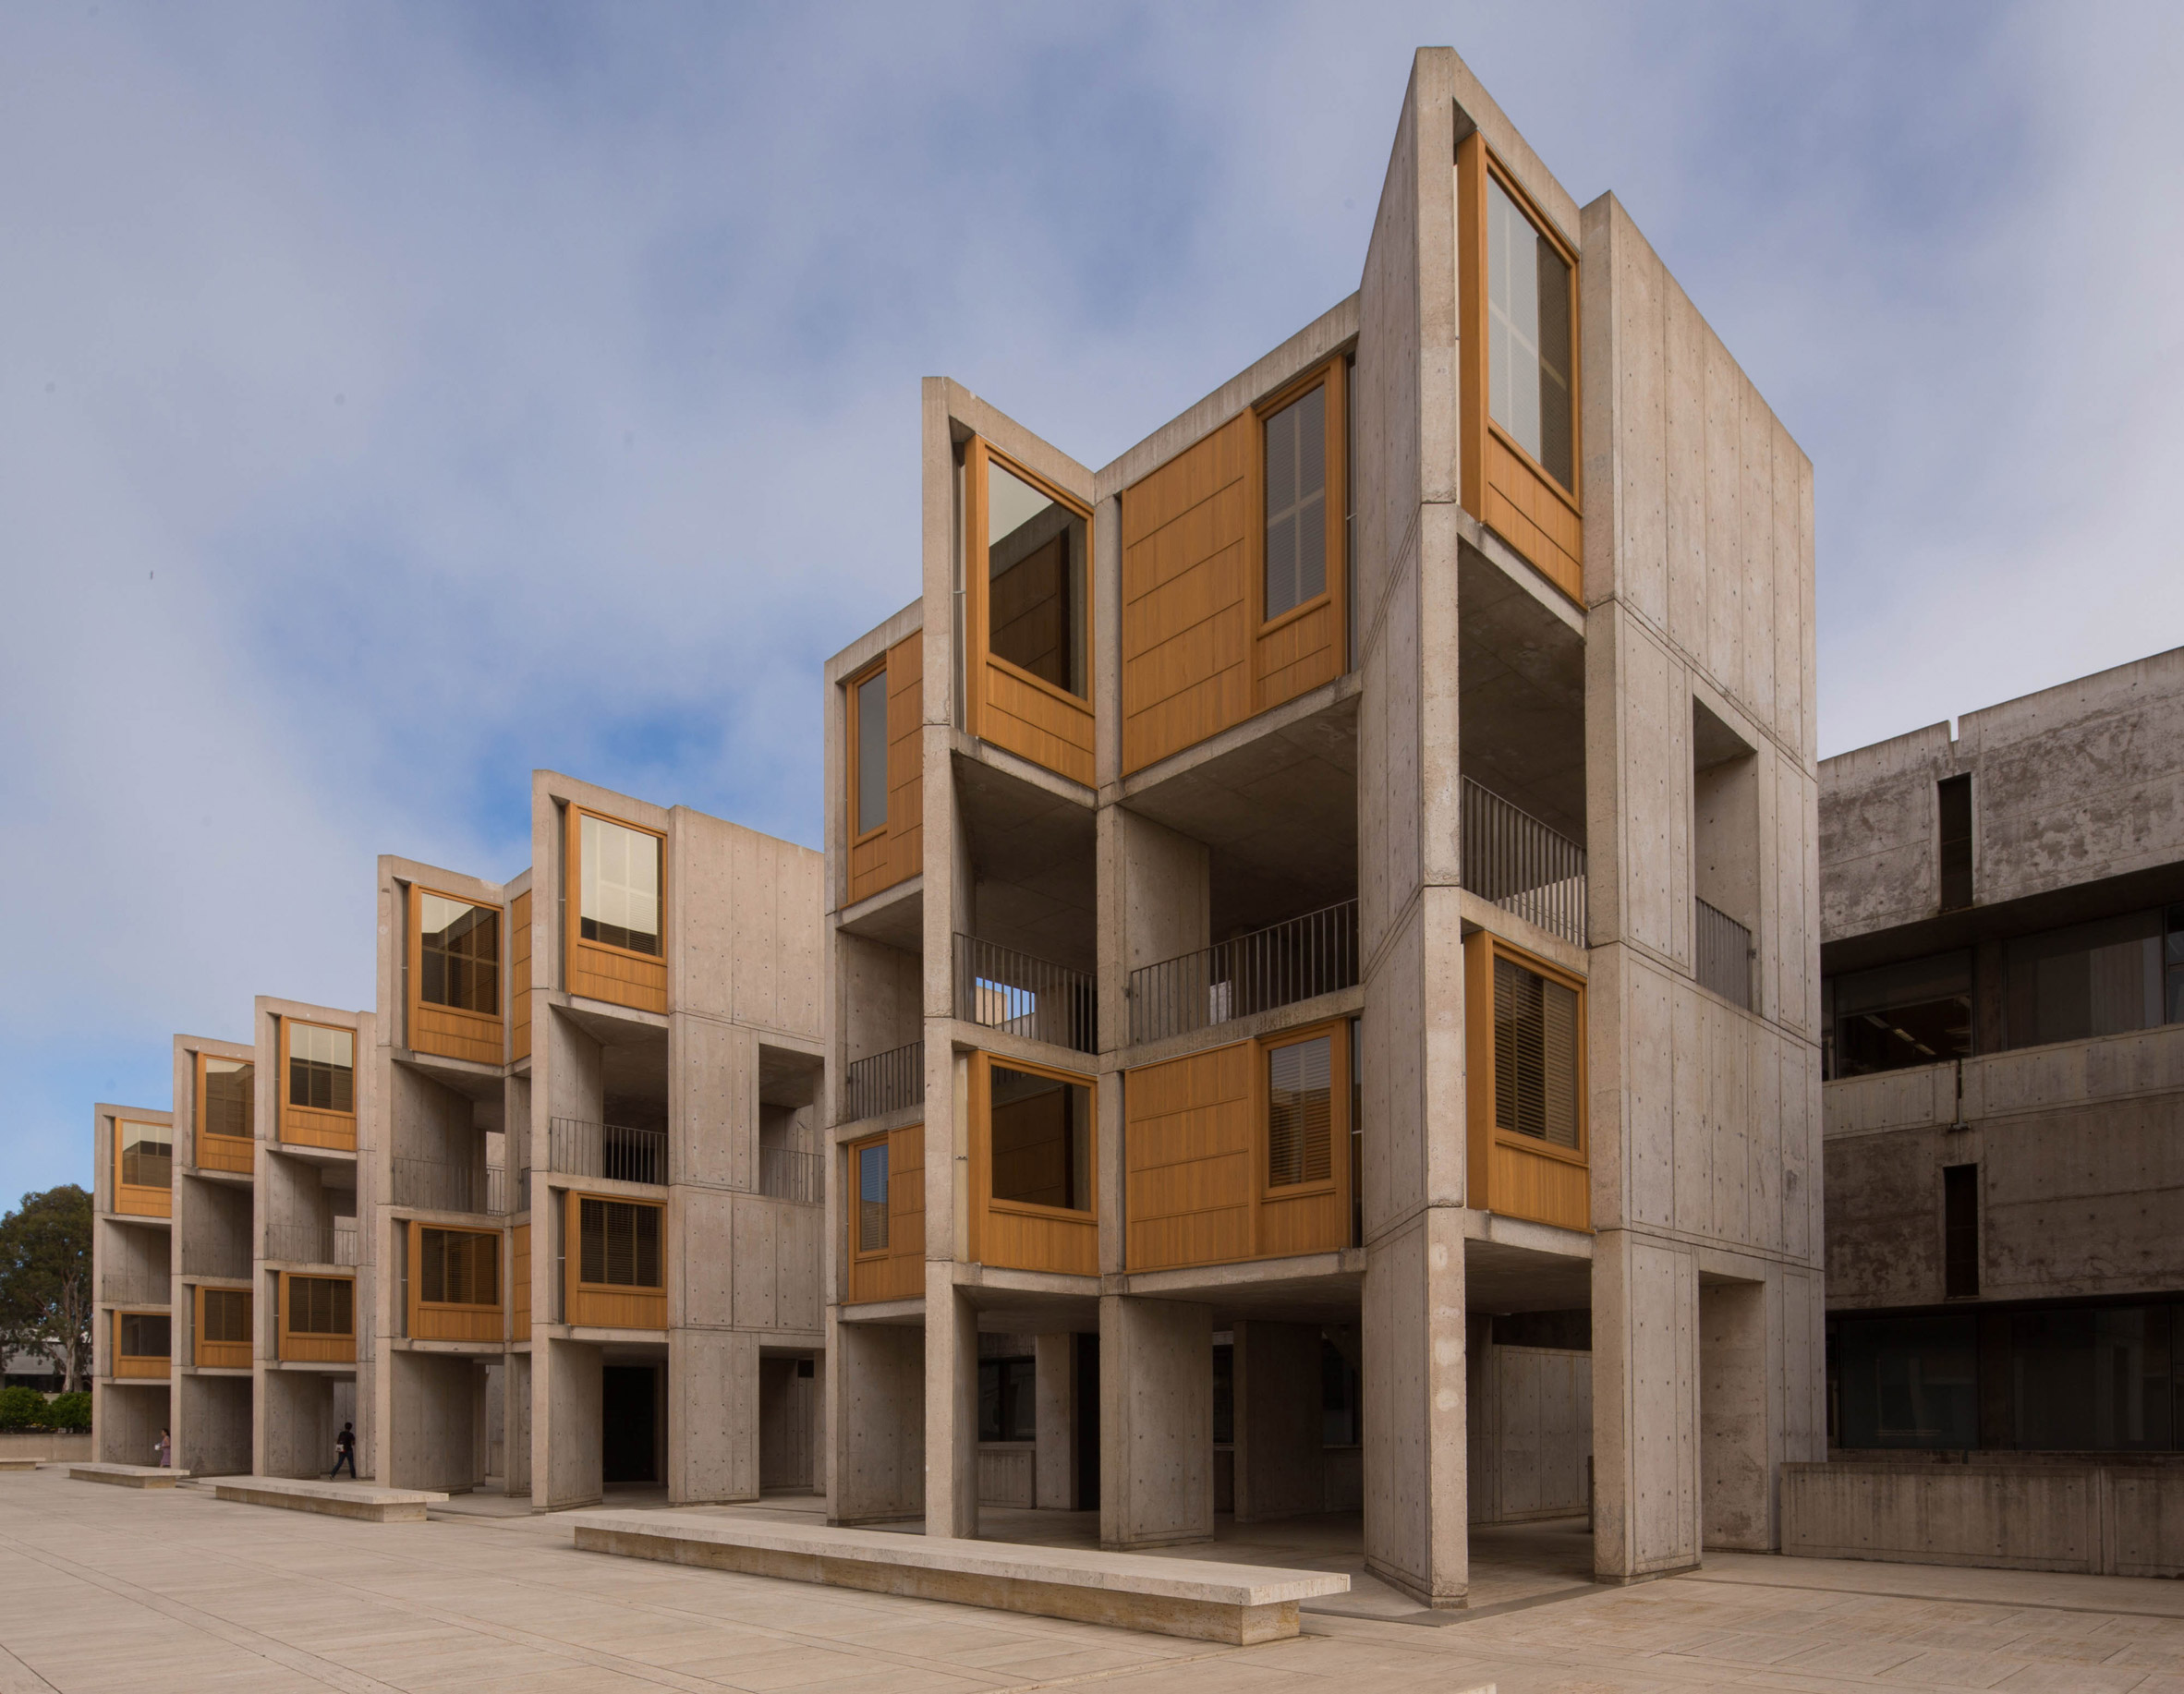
(950,1403)
(876,1421)
(297,1422)
(1156,1422)
(2077,782)
(212,1425)
(436,1407)
(1054,1372)
(570,1471)
(127,1417)
(1736,1481)
(713,1416)
(1280,1468)
(1531,1431)
(788,1420)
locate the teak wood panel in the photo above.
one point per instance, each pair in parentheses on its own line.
(598,1305)
(1006,705)
(1501,486)
(317,1348)
(133,1199)
(221,1355)
(895,852)
(448,1031)
(305,1126)
(229,1153)
(1197,1168)
(1512,1174)
(519,1282)
(600,972)
(898,1271)
(447,1320)
(1015,1234)
(519,976)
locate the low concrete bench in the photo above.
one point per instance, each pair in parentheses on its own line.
(1236,1603)
(20,1464)
(358,1500)
(130,1476)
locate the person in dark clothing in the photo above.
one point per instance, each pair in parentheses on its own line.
(344,1452)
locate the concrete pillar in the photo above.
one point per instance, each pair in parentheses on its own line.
(1416,1487)
(1735,1478)
(518,1437)
(567,1467)
(713,1416)
(950,1406)
(1156,1422)
(1054,1461)
(1280,1470)
(875,1419)
(1645,1407)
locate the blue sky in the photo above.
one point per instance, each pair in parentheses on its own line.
(395,398)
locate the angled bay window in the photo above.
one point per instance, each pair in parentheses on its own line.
(886,1224)
(1302,639)
(455,1284)
(1027,569)
(1517,302)
(318,1319)
(617,1264)
(227,1114)
(883,705)
(454,967)
(1524,1037)
(617,877)
(868,782)
(319,1100)
(142,1343)
(1034,1155)
(143,1168)
(222,1329)
(1296,504)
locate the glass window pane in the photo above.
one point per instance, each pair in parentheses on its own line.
(1296,504)
(461,954)
(322,1068)
(145,1335)
(1300,1118)
(2102,978)
(1034,571)
(1529,337)
(147,1154)
(2090,1379)
(619,898)
(1915,1013)
(871,730)
(1909,1382)
(1041,1140)
(872,1197)
(227,1107)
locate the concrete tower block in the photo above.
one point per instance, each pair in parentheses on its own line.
(875,1390)
(1416,1489)
(1279,1471)
(1156,1422)
(1645,1406)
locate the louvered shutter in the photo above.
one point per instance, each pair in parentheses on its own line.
(1300,1121)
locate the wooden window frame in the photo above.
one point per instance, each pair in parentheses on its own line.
(864,1255)
(495,1019)
(318,1347)
(853,758)
(165,1362)
(287,1106)
(199,1135)
(164,1205)
(1481,948)
(576,1257)
(978,453)
(197,1328)
(1332,375)
(575,876)
(1262,1104)
(982,1140)
(1474,163)
(417,1257)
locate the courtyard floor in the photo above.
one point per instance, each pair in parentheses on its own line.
(106,1588)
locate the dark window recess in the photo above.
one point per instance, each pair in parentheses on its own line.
(1915,1013)
(1960,1216)
(618,1244)
(804,1369)
(1956,842)
(1007,1402)
(1224,1393)
(1341,1402)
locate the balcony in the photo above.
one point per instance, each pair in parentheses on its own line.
(614,1151)
(1297,959)
(997,988)
(444,1185)
(883,1083)
(229,1258)
(1519,863)
(790,1173)
(1725,954)
(135,1288)
(311,1244)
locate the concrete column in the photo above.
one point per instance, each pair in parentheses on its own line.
(713,1416)
(1156,1422)
(517,1439)
(566,1464)
(1735,1477)
(1416,1485)
(1279,1471)
(1054,1463)
(875,1421)
(1645,1407)
(950,1406)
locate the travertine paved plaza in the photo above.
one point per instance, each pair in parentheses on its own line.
(107,1590)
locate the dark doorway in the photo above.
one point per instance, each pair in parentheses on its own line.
(628,1406)
(1087,1424)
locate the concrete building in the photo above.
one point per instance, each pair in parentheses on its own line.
(2003,948)
(1322,920)
(333,1225)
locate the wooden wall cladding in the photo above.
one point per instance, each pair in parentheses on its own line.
(609,1306)
(519,1280)
(1198,654)
(1196,1169)
(447,1321)
(520,977)
(1518,1176)
(310,1349)
(1014,1234)
(597,970)
(1526,510)
(133,1200)
(895,853)
(449,1031)
(899,1272)
(229,1153)
(302,1127)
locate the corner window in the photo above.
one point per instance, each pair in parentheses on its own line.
(618,896)
(1295,477)
(225,1104)
(460,961)
(145,1335)
(872,1197)
(321,1306)
(618,1244)
(1528,336)
(147,1154)
(1035,581)
(1535,1057)
(1041,1138)
(1300,1112)
(868,752)
(322,1068)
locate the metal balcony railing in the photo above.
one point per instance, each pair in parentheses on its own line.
(1725,952)
(790,1173)
(444,1185)
(615,1150)
(311,1244)
(883,1083)
(137,1288)
(997,988)
(1514,860)
(1297,959)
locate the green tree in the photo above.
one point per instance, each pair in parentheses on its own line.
(45,1279)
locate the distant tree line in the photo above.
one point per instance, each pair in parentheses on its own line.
(45,1281)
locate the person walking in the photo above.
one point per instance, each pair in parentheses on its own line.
(163,1451)
(344,1452)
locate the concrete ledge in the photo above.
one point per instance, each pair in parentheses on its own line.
(357,1500)
(1238,1604)
(19,1464)
(130,1476)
